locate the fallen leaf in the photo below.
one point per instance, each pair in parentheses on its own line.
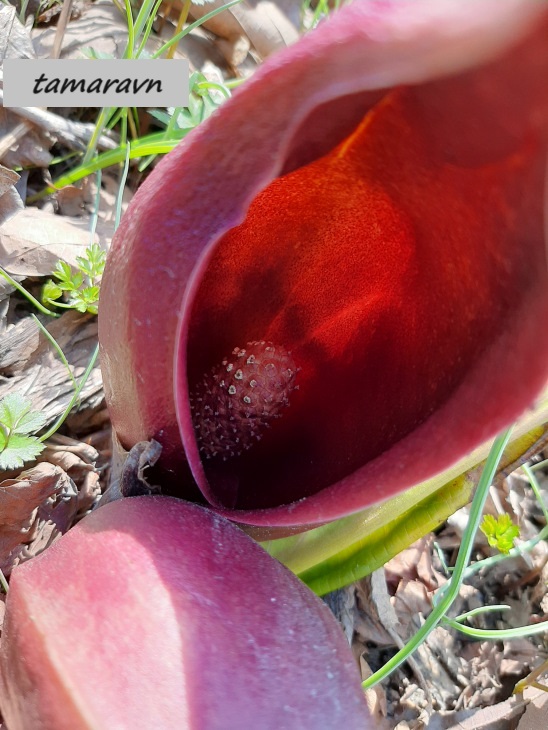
(29,150)
(415,563)
(71,200)
(15,41)
(22,144)
(269,25)
(32,241)
(536,714)
(78,460)
(35,508)
(518,655)
(10,200)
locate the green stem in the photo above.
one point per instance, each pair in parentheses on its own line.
(61,305)
(540,465)
(51,339)
(481,609)
(27,294)
(100,125)
(148,26)
(146,15)
(499,634)
(535,486)
(95,215)
(463,558)
(154,144)
(59,422)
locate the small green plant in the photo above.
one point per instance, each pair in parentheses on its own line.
(17,422)
(81,286)
(500,532)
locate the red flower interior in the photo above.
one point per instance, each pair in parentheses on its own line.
(387,267)
(396,254)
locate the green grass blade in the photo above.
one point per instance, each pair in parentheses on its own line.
(130,46)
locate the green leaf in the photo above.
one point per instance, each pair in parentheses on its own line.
(93,264)
(17,416)
(51,291)
(96,257)
(85,300)
(17,420)
(31,422)
(500,532)
(85,267)
(68,286)
(77,279)
(63,272)
(77,304)
(20,448)
(90,294)
(13,407)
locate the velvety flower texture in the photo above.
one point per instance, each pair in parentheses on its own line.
(372,204)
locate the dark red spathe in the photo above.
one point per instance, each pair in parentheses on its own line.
(402,263)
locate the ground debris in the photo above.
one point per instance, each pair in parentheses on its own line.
(453,681)
(78,460)
(36,507)
(31,366)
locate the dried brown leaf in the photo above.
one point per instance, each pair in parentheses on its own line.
(269,25)
(411,599)
(368,626)
(536,714)
(501,716)
(32,242)
(265,25)
(77,459)
(415,563)
(71,201)
(10,200)
(35,508)
(8,178)
(15,41)
(519,655)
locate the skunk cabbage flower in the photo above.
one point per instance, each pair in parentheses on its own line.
(334,288)
(142,617)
